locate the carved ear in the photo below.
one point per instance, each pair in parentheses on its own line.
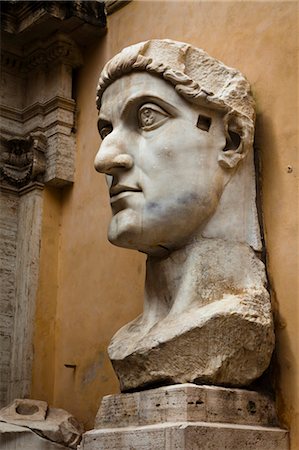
(237,142)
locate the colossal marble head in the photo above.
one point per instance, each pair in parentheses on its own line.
(177,128)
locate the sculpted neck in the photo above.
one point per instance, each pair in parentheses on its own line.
(205,271)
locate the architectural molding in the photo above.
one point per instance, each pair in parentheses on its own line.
(41,45)
(47,105)
(27,17)
(58,49)
(37,108)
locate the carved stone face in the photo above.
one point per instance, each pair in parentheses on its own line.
(160,156)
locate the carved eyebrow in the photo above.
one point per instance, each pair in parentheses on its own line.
(103,116)
(145,98)
(103,122)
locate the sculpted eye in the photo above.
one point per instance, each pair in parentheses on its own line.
(105,130)
(151,116)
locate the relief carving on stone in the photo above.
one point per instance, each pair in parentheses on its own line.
(49,109)
(23,159)
(177,127)
(57,49)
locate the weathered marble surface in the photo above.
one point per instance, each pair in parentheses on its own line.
(54,424)
(205,319)
(15,437)
(187,417)
(177,128)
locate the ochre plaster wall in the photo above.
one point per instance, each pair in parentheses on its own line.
(43,376)
(100,286)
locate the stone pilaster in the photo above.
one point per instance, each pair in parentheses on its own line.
(8,246)
(27,269)
(21,176)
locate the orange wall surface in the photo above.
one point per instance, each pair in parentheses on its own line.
(91,288)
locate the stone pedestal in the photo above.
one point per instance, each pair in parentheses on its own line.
(187,417)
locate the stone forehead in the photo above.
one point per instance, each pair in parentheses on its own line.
(196,75)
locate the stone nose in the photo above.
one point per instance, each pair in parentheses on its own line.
(109,159)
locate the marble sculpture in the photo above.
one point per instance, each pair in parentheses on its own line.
(177,130)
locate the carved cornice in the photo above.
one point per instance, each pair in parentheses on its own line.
(41,40)
(58,49)
(23,159)
(45,108)
(24,16)
(39,109)
(8,112)
(92,12)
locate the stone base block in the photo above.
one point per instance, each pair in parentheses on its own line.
(187,417)
(184,436)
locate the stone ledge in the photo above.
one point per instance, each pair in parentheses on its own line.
(187,417)
(186,436)
(187,402)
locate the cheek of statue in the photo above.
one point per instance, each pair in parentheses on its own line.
(171,209)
